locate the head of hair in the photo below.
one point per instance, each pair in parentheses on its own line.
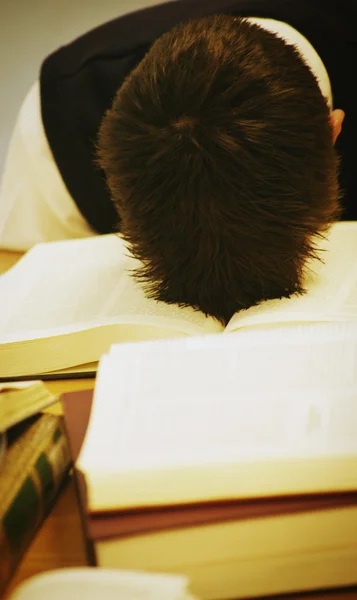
(218,155)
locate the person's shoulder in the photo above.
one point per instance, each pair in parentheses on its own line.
(128,34)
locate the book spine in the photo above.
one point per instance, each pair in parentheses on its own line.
(41,480)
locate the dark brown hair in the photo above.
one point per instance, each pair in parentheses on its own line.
(219,157)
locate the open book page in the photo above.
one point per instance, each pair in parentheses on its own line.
(61,287)
(167,413)
(331,287)
(106,584)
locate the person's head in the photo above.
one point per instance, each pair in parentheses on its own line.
(218,153)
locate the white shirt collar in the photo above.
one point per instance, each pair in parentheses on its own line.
(306,50)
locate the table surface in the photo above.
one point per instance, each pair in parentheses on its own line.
(59,542)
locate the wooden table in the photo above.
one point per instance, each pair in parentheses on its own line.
(59,543)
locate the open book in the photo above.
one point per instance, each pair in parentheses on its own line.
(64,303)
(187,420)
(106,584)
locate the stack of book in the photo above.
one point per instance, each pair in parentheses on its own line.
(34,464)
(231,460)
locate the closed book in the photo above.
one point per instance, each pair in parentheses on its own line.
(36,462)
(229,549)
(20,400)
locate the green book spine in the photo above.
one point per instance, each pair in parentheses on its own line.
(35,465)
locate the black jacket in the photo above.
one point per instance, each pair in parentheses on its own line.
(79,81)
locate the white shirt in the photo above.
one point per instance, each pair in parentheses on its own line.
(306,51)
(35,205)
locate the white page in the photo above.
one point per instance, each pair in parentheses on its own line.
(104,584)
(225,398)
(331,287)
(60,287)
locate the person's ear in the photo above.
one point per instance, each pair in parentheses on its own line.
(336,119)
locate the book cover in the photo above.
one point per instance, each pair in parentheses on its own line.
(35,465)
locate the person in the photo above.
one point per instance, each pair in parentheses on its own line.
(208,133)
